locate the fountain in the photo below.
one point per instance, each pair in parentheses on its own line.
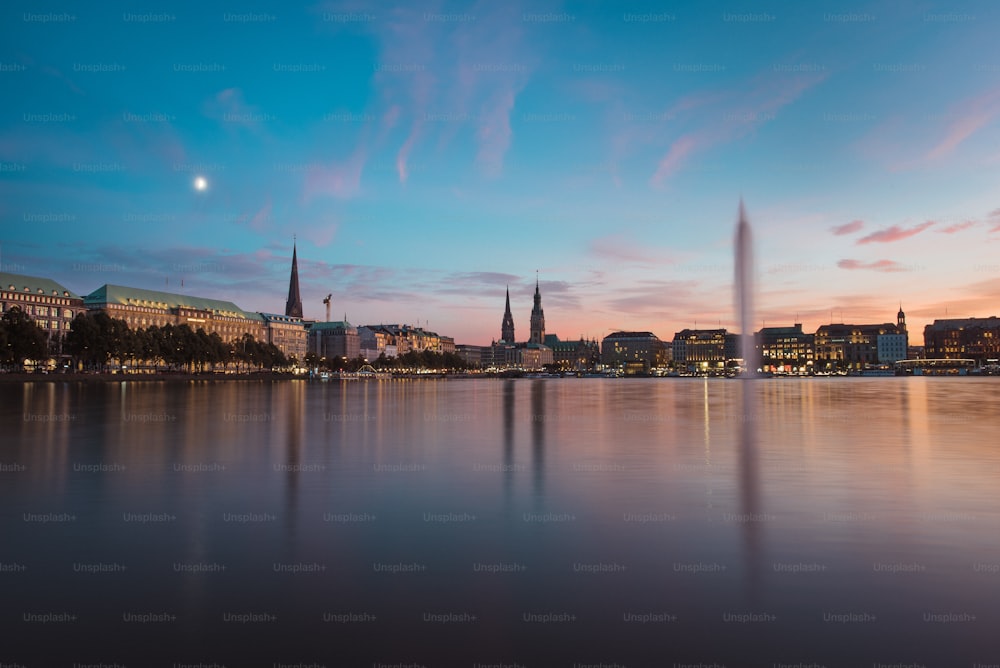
(744,293)
(749,473)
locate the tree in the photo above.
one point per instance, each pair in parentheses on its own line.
(22,338)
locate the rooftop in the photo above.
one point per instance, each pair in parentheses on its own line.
(35,285)
(125,296)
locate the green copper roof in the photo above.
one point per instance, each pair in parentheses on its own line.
(117,294)
(335,324)
(35,285)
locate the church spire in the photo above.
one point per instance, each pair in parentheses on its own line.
(507,326)
(293,307)
(537,317)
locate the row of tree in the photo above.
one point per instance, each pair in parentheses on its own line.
(21,339)
(97,340)
(424,359)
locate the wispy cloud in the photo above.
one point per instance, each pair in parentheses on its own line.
(957,227)
(437,78)
(341,180)
(971,116)
(848,228)
(894,233)
(719,117)
(877,265)
(621,248)
(995,220)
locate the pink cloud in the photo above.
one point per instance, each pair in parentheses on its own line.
(877,265)
(403,155)
(262,217)
(894,233)
(618,248)
(957,227)
(973,116)
(675,157)
(848,228)
(338,180)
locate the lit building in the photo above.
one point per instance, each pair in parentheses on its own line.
(331,340)
(855,347)
(964,338)
(287,333)
(531,355)
(632,352)
(785,349)
(704,348)
(46,302)
(141,308)
(578,355)
(471,355)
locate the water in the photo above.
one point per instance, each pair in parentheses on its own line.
(546,522)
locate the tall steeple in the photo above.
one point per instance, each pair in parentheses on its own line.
(901,320)
(293,307)
(537,317)
(507,327)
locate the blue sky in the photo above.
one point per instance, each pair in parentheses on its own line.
(425,158)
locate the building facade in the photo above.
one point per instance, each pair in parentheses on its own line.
(964,338)
(141,308)
(632,351)
(330,340)
(704,349)
(785,349)
(50,305)
(581,355)
(287,333)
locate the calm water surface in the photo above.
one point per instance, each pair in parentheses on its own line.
(537,522)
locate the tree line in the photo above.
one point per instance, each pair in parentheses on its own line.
(98,342)
(414,359)
(96,339)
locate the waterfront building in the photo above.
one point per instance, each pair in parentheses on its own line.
(531,355)
(50,305)
(287,333)
(331,340)
(856,347)
(704,349)
(471,355)
(977,339)
(141,308)
(785,349)
(632,352)
(580,355)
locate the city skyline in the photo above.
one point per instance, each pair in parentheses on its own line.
(427,159)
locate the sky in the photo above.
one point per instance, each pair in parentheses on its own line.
(426,156)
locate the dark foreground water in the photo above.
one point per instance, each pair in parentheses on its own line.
(550,522)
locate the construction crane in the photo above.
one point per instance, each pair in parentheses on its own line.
(327,302)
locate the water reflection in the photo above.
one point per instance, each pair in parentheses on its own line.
(539,421)
(749,487)
(507,396)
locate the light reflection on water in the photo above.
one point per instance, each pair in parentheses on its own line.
(691,501)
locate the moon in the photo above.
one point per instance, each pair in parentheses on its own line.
(200,183)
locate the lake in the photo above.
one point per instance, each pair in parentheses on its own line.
(518,522)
